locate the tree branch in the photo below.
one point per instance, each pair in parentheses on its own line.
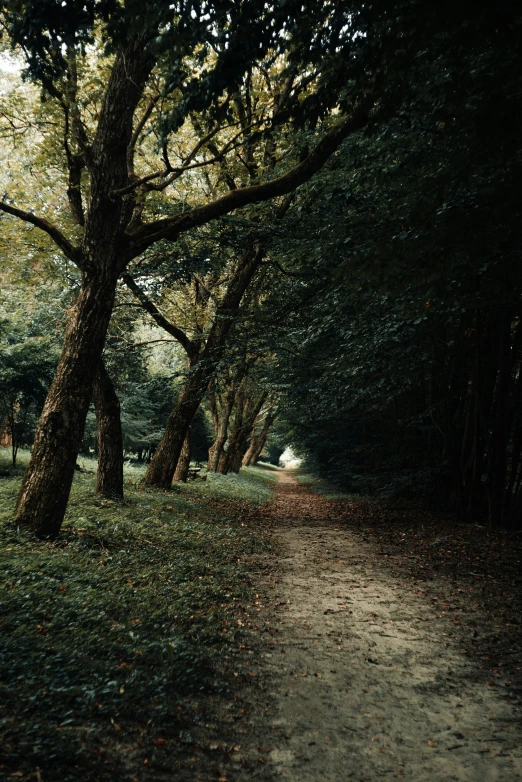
(73,253)
(161,320)
(178,171)
(135,136)
(131,345)
(170,228)
(205,288)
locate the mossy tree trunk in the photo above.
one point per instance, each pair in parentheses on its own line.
(43,497)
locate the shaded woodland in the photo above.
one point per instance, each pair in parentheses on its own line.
(226,231)
(229,230)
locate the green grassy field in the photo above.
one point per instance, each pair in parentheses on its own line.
(112,633)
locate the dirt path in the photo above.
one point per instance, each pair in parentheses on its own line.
(359,681)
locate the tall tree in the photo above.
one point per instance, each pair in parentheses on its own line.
(152,53)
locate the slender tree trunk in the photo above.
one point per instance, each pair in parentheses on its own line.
(257,442)
(226,457)
(182,467)
(110,436)
(243,427)
(160,471)
(163,464)
(42,500)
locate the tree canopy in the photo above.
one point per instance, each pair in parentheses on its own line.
(246,218)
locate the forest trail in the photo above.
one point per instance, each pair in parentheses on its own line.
(359,683)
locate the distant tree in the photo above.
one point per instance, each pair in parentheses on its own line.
(26,370)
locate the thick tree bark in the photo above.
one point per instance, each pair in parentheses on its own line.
(42,500)
(182,467)
(222,420)
(110,437)
(237,460)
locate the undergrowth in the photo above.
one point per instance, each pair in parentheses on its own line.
(112,633)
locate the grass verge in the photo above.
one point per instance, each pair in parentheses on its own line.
(119,639)
(321,486)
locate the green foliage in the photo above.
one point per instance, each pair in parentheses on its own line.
(112,632)
(203,49)
(144,410)
(27,365)
(200,436)
(400,359)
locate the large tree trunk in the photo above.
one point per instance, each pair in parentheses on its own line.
(237,460)
(222,420)
(110,436)
(42,500)
(182,467)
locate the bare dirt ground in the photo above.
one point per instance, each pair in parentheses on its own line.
(361,678)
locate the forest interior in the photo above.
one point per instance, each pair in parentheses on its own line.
(260,390)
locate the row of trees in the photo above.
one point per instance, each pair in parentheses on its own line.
(125,82)
(412,334)
(313,214)
(132,402)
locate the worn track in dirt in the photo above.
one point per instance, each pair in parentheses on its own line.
(359,681)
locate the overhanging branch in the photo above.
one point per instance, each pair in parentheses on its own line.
(73,253)
(161,320)
(170,228)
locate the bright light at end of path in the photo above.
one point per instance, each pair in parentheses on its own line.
(289,460)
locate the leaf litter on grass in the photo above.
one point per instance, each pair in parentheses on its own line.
(118,639)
